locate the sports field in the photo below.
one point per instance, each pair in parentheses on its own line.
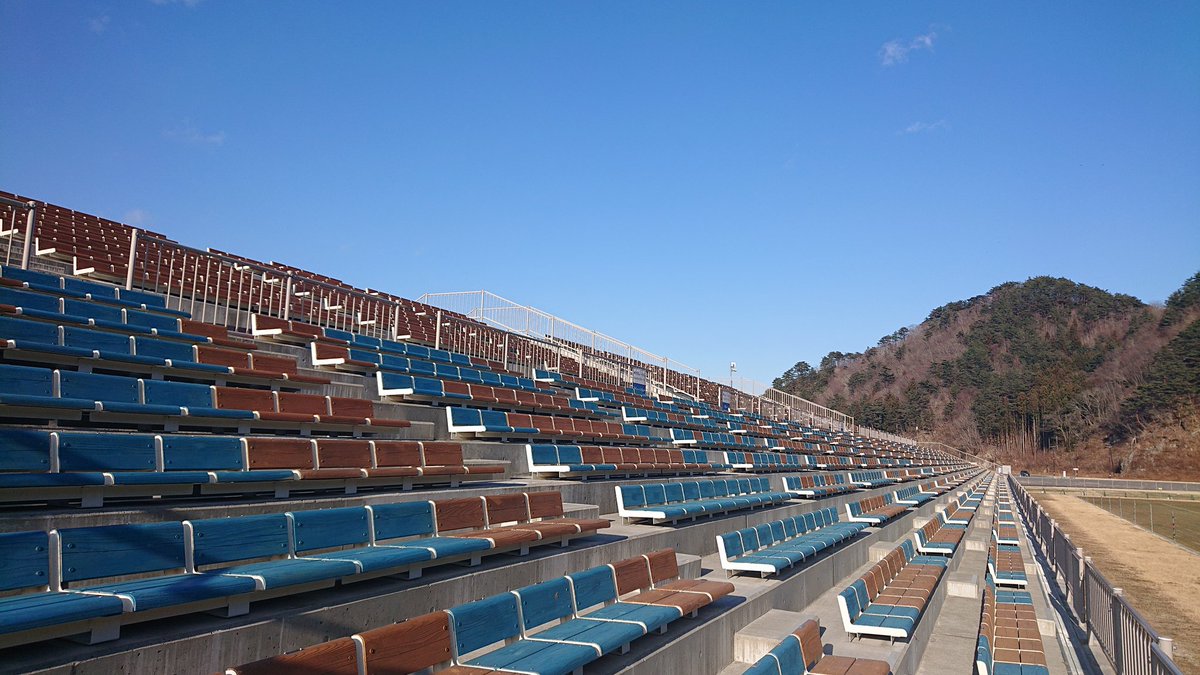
(1161,580)
(1176,520)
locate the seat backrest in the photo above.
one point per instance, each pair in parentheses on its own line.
(350,453)
(118,550)
(403,519)
(663,566)
(95,387)
(656,494)
(105,452)
(307,404)
(24,450)
(593,587)
(545,602)
(279,453)
(235,398)
(201,453)
(397,453)
(26,560)
(545,504)
(407,647)
(222,540)
(632,574)
(459,514)
(442,453)
(632,496)
(509,508)
(484,622)
(791,661)
(329,528)
(732,542)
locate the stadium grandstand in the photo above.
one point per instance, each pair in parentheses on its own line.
(213,464)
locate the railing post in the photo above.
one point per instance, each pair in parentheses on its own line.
(1118,650)
(506,351)
(1167,645)
(437,331)
(133,237)
(396,322)
(287,298)
(28,237)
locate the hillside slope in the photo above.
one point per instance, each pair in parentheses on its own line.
(1041,373)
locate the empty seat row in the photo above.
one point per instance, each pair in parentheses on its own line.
(773,547)
(551,628)
(889,599)
(1006,565)
(91,290)
(691,499)
(935,538)
(411,388)
(587,461)
(770,461)
(499,424)
(76,580)
(1009,641)
(817,486)
(801,653)
(914,496)
(39,465)
(871,479)
(874,510)
(712,439)
(43,393)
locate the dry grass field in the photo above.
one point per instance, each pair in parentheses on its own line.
(1161,580)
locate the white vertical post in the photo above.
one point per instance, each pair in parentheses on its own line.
(286,312)
(133,237)
(437,331)
(28,236)
(506,351)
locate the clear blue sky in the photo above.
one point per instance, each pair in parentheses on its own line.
(759,182)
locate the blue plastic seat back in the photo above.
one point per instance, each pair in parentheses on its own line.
(691,492)
(395,381)
(329,528)
(119,550)
(545,602)
(202,453)
(98,387)
(136,317)
(28,300)
(95,339)
(909,552)
(24,450)
(593,587)
(490,379)
(29,331)
(777,530)
(92,310)
(418,367)
(368,356)
(750,541)
(94,289)
(494,419)
(446,372)
(222,540)
(707,491)
(765,536)
(164,349)
(570,454)
(31,276)
(142,298)
(105,452)
(484,622)
(426,386)
(182,394)
(674,492)
(791,662)
(810,522)
(853,608)
(633,496)
(405,519)
(655,494)
(509,381)
(545,455)
(789,527)
(465,417)
(26,560)
(26,381)
(733,544)
(418,351)
(470,376)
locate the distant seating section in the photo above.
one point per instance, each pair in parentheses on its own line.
(589,461)
(41,393)
(551,628)
(913,496)
(934,538)
(770,461)
(773,547)
(40,465)
(691,499)
(802,653)
(889,599)
(1009,641)
(1006,565)
(498,424)
(874,510)
(225,563)
(817,487)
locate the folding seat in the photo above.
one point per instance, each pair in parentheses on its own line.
(94,553)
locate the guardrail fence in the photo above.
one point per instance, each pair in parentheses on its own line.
(1124,635)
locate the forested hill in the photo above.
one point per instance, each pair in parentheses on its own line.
(1045,364)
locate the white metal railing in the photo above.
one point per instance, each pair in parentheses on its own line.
(1123,634)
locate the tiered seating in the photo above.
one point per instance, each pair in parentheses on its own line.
(874,510)
(498,424)
(1009,641)
(871,479)
(1004,528)
(199,565)
(40,465)
(801,653)
(889,599)
(551,628)
(1006,565)
(935,538)
(770,461)
(773,547)
(672,502)
(42,393)
(913,496)
(74,287)
(816,487)
(590,461)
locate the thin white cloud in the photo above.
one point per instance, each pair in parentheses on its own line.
(99,24)
(924,127)
(136,217)
(894,52)
(190,134)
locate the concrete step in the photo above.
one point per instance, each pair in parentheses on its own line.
(764,633)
